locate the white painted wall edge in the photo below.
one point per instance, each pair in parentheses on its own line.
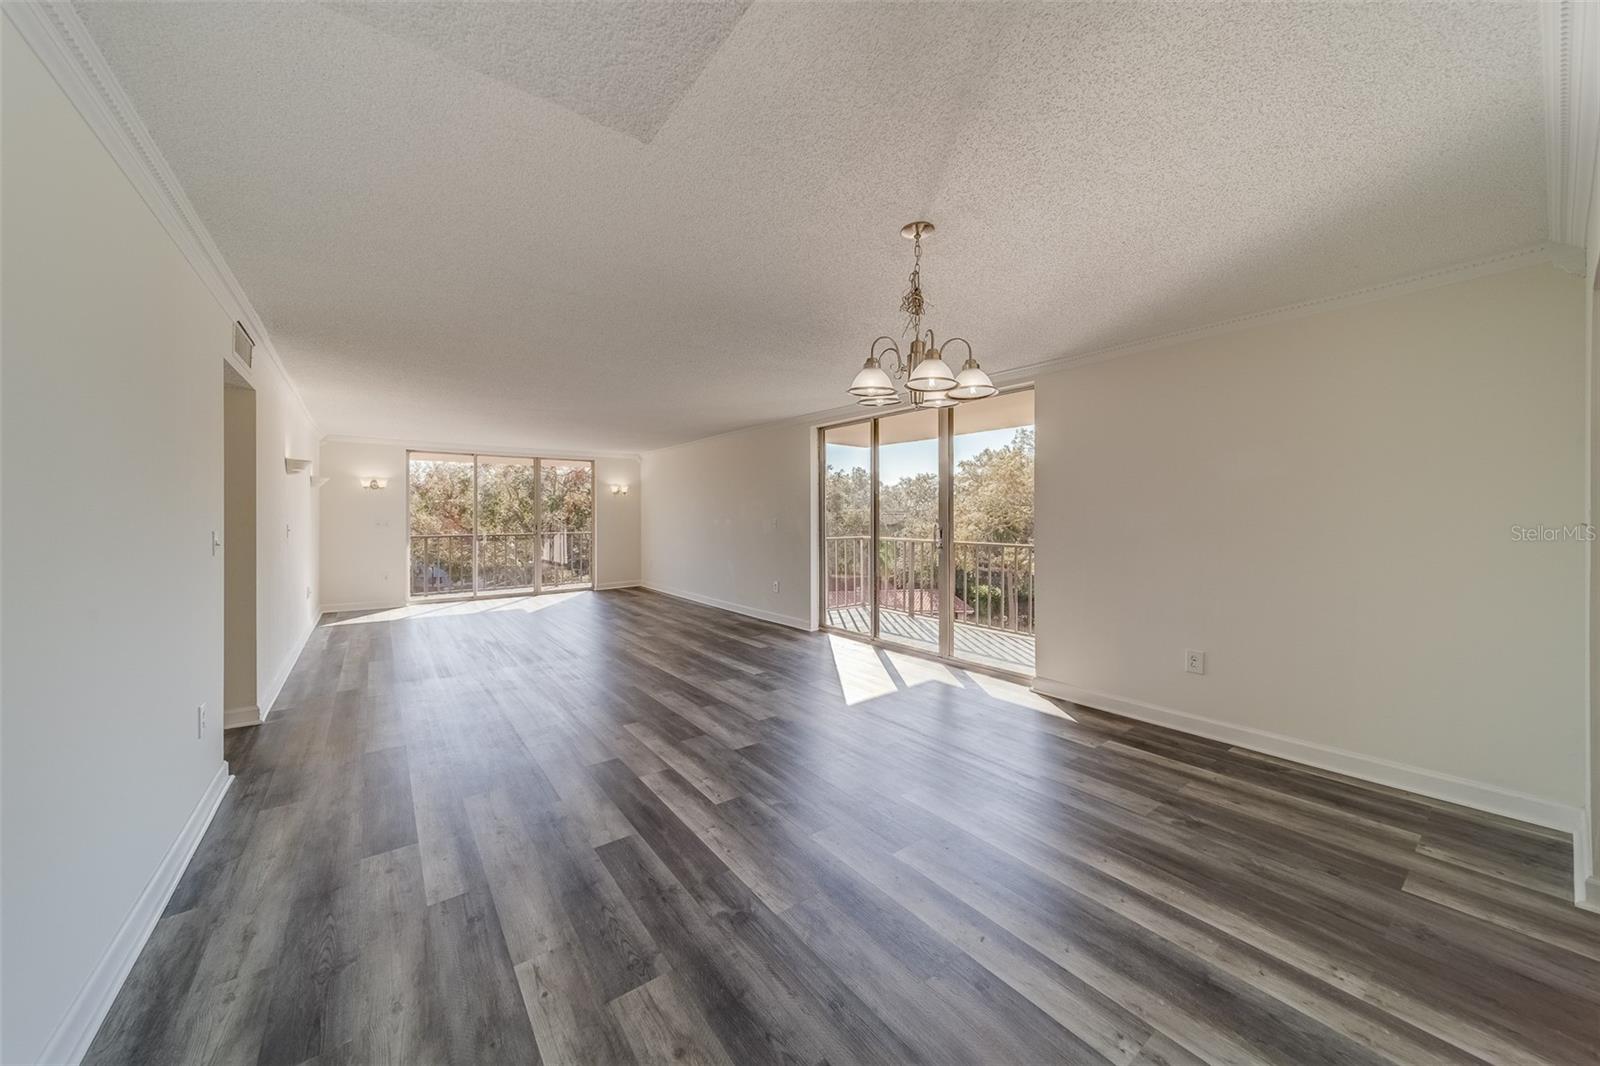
(1591,898)
(1475,794)
(77,1027)
(270,695)
(1571,38)
(803,624)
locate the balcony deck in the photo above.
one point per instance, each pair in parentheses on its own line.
(976,644)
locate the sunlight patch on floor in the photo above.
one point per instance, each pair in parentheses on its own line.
(915,670)
(1021,695)
(457,608)
(866,672)
(862,675)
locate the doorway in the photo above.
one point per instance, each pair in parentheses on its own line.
(495,525)
(238,550)
(927,531)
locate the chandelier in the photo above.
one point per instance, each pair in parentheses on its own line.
(928,378)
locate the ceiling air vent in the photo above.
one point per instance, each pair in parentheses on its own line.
(243,346)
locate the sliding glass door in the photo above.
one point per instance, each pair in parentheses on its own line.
(847,527)
(508,524)
(567,526)
(908,530)
(927,530)
(991,488)
(495,525)
(443,515)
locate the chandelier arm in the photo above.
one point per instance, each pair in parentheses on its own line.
(959,340)
(898,370)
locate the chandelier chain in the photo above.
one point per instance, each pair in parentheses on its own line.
(912,303)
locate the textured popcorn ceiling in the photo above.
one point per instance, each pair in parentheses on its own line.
(619,226)
(625,65)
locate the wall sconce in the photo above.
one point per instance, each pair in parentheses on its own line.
(374,482)
(619,490)
(295,466)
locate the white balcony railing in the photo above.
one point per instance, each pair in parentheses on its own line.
(993,580)
(442,563)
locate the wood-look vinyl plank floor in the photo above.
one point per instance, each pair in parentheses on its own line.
(622,828)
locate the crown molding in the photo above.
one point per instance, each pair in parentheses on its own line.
(1432,279)
(1560,255)
(62,42)
(518,451)
(1571,31)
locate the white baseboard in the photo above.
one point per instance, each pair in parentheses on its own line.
(72,1035)
(736,608)
(1583,879)
(240,717)
(1475,794)
(618,585)
(1590,900)
(269,695)
(362,605)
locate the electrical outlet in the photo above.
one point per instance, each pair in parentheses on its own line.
(1194,661)
(200,722)
(308,592)
(774,586)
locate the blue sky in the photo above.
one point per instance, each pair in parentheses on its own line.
(896,461)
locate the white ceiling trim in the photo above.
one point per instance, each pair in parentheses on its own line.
(1572,114)
(1025,375)
(61,41)
(1432,279)
(518,452)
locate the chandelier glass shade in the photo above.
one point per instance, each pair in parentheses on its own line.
(931,375)
(929,381)
(872,382)
(972,383)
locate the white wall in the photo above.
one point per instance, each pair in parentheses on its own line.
(726,517)
(617,519)
(287,540)
(363,531)
(112,619)
(1325,507)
